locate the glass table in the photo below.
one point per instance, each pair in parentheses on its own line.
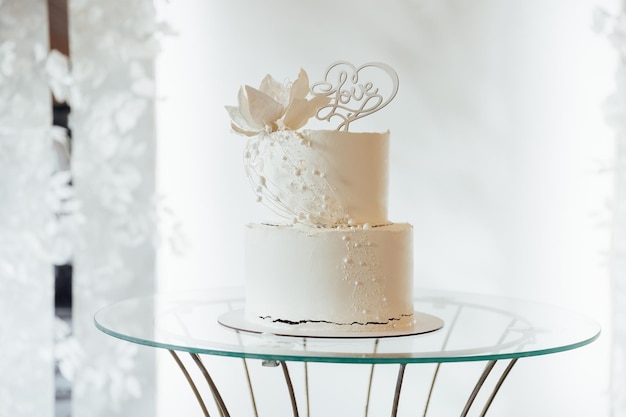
(476,328)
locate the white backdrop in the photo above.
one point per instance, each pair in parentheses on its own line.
(499,153)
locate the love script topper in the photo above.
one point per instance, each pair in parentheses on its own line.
(355,92)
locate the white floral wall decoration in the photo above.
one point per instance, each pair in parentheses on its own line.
(28,200)
(113,45)
(614,27)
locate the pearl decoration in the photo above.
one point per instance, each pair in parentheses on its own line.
(366,226)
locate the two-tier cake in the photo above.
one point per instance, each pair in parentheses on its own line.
(334,262)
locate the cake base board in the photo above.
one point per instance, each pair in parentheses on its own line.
(423,323)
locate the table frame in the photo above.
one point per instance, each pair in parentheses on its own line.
(223,409)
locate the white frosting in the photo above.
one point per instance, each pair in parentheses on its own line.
(358,277)
(321,177)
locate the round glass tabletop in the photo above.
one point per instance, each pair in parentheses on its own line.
(476,327)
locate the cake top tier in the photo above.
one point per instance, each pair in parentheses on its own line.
(320,178)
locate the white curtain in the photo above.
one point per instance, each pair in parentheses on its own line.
(112,46)
(27,204)
(107,220)
(614,28)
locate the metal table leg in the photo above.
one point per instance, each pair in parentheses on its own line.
(216,394)
(221,406)
(191,383)
(497,386)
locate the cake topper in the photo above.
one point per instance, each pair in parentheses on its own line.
(274,106)
(353,92)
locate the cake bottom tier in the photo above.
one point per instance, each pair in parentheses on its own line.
(351,279)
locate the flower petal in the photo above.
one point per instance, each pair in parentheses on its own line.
(244,110)
(301,110)
(265,111)
(238,119)
(242,131)
(300,87)
(275,90)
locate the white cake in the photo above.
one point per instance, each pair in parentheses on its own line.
(333,261)
(349,278)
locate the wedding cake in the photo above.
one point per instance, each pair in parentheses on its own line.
(332,261)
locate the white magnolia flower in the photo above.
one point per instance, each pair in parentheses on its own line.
(274,106)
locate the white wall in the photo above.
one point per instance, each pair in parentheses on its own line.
(498,146)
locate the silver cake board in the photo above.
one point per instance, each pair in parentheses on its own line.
(422,323)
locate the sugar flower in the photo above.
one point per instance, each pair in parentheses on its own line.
(275,106)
